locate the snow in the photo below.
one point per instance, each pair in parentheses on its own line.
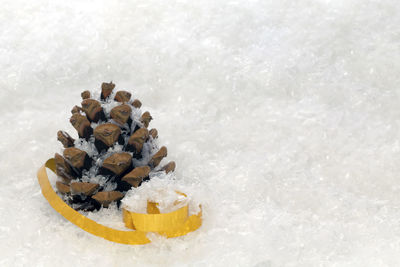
(136,199)
(284,115)
(165,190)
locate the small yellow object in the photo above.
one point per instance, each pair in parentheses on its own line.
(172,224)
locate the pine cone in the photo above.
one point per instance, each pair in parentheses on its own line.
(114,152)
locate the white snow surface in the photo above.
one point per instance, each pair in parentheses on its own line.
(285,114)
(166,191)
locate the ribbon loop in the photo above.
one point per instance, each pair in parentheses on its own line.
(173,224)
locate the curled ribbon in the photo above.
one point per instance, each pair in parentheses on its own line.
(172,224)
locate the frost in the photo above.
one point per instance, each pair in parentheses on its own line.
(161,190)
(109,105)
(98,179)
(135,116)
(87,146)
(148,150)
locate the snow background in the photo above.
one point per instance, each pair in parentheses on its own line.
(284,112)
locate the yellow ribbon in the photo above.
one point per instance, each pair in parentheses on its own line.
(173,224)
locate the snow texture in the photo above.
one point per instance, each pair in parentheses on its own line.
(166,191)
(284,114)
